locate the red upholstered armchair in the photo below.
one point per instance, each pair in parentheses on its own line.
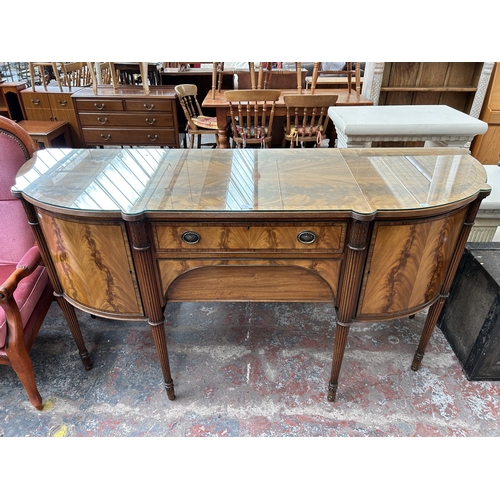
(25,290)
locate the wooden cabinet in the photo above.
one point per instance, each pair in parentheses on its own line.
(460,85)
(11,105)
(378,233)
(52,105)
(486,148)
(127,116)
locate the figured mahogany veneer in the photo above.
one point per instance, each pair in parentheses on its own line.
(378,232)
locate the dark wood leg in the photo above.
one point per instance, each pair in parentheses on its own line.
(341,332)
(151,297)
(351,284)
(430,323)
(158,331)
(70,316)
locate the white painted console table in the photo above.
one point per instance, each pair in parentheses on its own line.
(488,216)
(437,125)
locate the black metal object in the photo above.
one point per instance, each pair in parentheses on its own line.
(470,319)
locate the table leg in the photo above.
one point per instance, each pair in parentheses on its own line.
(341,332)
(74,327)
(160,339)
(430,323)
(353,274)
(151,297)
(67,137)
(221,123)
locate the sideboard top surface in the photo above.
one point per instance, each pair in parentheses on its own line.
(250,181)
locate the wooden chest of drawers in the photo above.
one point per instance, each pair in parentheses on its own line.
(127,117)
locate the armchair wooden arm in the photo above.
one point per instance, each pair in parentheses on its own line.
(24,268)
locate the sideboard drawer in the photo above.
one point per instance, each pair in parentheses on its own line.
(322,238)
(132,136)
(100,105)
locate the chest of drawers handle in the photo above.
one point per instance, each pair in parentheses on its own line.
(101,121)
(102,106)
(306,237)
(152,122)
(190,237)
(62,103)
(106,138)
(36,103)
(152,139)
(149,108)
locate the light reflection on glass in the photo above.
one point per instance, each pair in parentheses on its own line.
(242,192)
(46,159)
(138,180)
(122,182)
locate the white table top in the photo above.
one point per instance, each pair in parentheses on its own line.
(401,120)
(492,202)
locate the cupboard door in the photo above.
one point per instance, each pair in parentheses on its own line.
(63,110)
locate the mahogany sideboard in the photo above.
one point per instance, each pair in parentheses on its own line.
(377,232)
(127,116)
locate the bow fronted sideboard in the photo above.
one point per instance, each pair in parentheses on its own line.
(377,232)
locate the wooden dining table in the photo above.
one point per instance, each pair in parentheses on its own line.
(345,98)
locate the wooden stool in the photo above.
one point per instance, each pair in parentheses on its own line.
(46,131)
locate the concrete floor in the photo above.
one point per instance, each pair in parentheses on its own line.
(246,369)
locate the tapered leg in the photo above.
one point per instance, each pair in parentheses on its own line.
(70,316)
(430,323)
(158,331)
(351,283)
(341,332)
(152,300)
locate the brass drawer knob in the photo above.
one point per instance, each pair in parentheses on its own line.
(190,237)
(102,106)
(306,237)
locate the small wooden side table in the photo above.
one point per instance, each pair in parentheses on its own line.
(46,131)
